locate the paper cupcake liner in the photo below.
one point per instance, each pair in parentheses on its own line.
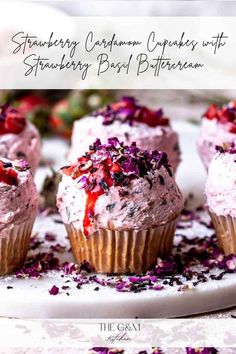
(225,227)
(131,251)
(14,246)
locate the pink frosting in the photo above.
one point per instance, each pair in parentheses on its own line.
(25,145)
(162,138)
(212,133)
(123,208)
(220,192)
(18,203)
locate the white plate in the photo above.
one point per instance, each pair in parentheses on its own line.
(30,298)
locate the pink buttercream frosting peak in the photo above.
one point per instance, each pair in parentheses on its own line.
(220,191)
(218,126)
(128,121)
(18,194)
(19,139)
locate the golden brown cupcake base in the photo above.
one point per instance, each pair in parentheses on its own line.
(14,246)
(225,228)
(121,252)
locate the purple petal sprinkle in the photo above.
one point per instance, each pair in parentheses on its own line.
(54,290)
(127,110)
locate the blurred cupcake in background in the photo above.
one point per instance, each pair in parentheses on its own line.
(18,208)
(73,107)
(220,196)
(119,205)
(36,109)
(218,126)
(128,121)
(19,139)
(32,104)
(53,112)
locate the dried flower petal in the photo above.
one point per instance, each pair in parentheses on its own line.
(128,111)
(54,290)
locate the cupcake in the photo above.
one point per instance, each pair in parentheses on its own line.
(129,122)
(17,213)
(19,139)
(220,196)
(119,205)
(218,126)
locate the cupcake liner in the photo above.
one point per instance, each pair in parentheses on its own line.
(225,228)
(14,246)
(130,251)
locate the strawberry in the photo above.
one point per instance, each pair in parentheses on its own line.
(224,115)
(152,120)
(211,113)
(14,122)
(232,129)
(11,121)
(31,102)
(3,130)
(8,175)
(75,106)
(36,109)
(61,119)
